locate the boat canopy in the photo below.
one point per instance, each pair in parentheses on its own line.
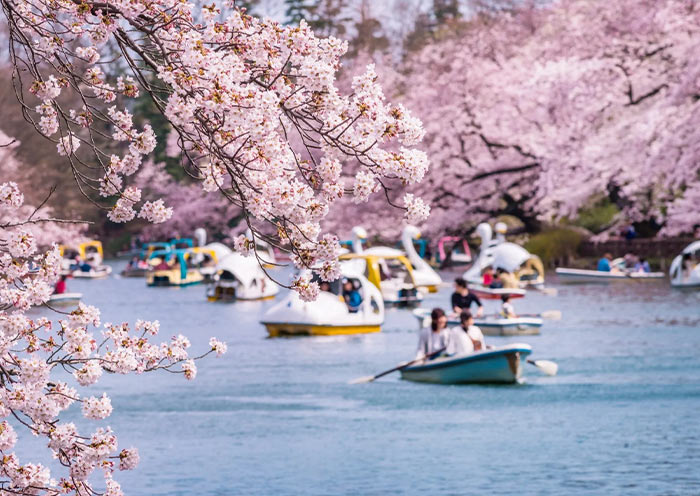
(374,262)
(220,249)
(181,255)
(691,248)
(148,248)
(245,269)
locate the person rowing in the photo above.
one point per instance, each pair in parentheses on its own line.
(434,338)
(462,299)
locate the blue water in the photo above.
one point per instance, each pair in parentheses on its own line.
(277,416)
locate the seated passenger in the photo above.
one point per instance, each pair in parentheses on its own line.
(488,276)
(507,279)
(604,263)
(642,266)
(466,338)
(507,309)
(435,338)
(60,286)
(352,297)
(162,265)
(325,286)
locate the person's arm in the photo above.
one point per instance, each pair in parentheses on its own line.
(480,309)
(455,308)
(421,351)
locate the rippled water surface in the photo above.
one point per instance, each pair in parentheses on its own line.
(277,416)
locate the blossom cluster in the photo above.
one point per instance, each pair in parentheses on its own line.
(32,350)
(253,104)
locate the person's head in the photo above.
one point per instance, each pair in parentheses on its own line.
(608,256)
(325,286)
(438,318)
(347,285)
(488,270)
(461,285)
(505,298)
(466,318)
(63,278)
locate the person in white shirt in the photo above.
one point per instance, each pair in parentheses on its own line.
(467,338)
(507,308)
(434,338)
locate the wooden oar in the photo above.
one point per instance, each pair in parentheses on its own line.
(370,378)
(546,366)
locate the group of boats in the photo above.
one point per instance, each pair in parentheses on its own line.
(382,275)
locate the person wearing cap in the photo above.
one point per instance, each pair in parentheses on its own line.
(462,299)
(351,296)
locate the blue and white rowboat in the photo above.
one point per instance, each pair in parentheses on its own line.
(490,326)
(502,365)
(588,276)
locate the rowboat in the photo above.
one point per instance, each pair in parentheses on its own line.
(491,325)
(502,365)
(65,299)
(486,293)
(585,276)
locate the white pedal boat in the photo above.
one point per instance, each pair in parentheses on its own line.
(328,315)
(502,365)
(239,277)
(490,326)
(685,268)
(65,299)
(95,273)
(585,275)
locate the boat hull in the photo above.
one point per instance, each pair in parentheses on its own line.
(495,293)
(134,273)
(276,330)
(588,276)
(518,326)
(65,299)
(100,273)
(500,366)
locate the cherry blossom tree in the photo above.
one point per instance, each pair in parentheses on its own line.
(534,111)
(235,90)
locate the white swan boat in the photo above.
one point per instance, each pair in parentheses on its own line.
(424,276)
(500,254)
(685,268)
(568,275)
(502,365)
(490,325)
(240,278)
(486,293)
(328,315)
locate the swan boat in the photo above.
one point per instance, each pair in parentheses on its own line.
(240,278)
(89,251)
(685,268)
(390,271)
(180,273)
(490,326)
(502,365)
(459,254)
(143,256)
(424,276)
(501,254)
(328,315)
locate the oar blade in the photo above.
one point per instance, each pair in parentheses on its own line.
(362,380)
(546,366)
(551,315)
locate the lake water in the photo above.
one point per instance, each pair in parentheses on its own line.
(278,417)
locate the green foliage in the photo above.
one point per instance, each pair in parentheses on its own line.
(597,216)
(554,245)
